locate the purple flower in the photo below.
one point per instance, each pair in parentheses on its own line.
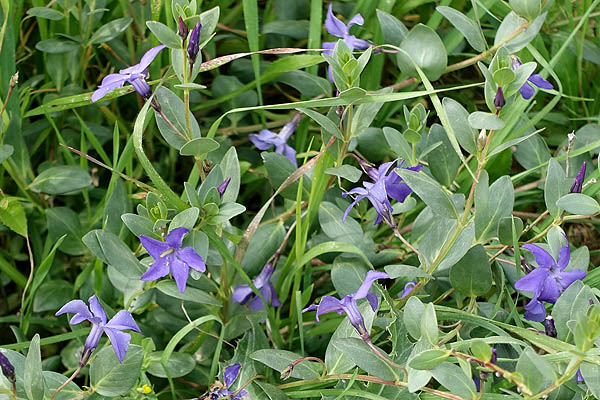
(579,376)
(548,280)
(578,184)
(170,257)
(136,75)
(499,100)
(220,391)
(337,28)
(527,91)
(267,139)
(223,187)
(377,192)
(348,304)
(194,44)
(113,328)
(8,370)
(242,293)
(408,288)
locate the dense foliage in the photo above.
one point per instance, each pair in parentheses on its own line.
(282,199)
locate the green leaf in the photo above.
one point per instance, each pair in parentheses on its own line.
(537,373)
(52,295)
(443,161)
(429,325)
(401,270)
(427,51)
(263,245)
(138,225)
(109,377)
(555,187)
(174,110)
(61,180)
(280,359)
(111,30)
(180,364)
(481,350)
(324,121)
(458,119)
(46,13)
(453,379)
(521,75)
(500,204)
(164,34)
(112,251)
(413,310)
(429,359)
(186,219)
(397,143)
(209,20)
(363,356)
(279,168)
(198,147)
(191,294)
(430,192)
(57,46)
(472,275)
(13,215)
(226,212)
(578,203)
(6,150)
(505,231)
(483,120)
(347,274)
(510,24)
(591,376)
(64,221)
(393,29)
(572,304)
(346,171)
(469,28)
(330,218)
(504,76)
(33,378)
(230,166)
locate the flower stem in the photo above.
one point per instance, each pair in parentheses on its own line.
(61,387)
(386,358)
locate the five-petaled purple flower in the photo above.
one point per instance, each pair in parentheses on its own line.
(267,139)
(337,28)
(242,293)
(578,184)
(527,91)
(548,281)
(113,328)
(136,75)
(221,390)
(349,306)
(385,185)
(170,257)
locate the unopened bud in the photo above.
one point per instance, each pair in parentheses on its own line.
(8,370)
(14,80)
(578,184)
(549,326)
(287,372)
(223,186)
(499,100)
(182,29)
(481,139)
(194,44)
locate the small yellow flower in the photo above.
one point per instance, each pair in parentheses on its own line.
(146,389)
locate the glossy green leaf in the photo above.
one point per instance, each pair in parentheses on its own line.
(109,377)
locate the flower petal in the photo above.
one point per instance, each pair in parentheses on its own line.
(180,272)
(77,307)
(157,270)
(540,82)
(189,256)
(542,257)
(355,43)
(175,237)
(328,47)
(329,304)
(535,311)
(275,302)
(334,25)
(527,91)
(109,83)
(145,61)
(533,281)
(566,278)
(256,304)
(550,291)
(119,340)
(373,301)
(242,293)
(263,278)
(154,247)
(355,202)
(371,277)
(290,153)
(265,139)
(123,320)
(97,309)
(231,373)
(356,20)
(564,256)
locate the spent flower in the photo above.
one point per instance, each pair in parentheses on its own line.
(527,91)
(222,390)
(267,139)
(113,328)
(243,293)
(348,305)
(170,257)
(136,75)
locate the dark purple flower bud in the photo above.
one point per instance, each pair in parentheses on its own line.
(8,370)
(182,29)
(578,184)
(499,100)
(549,326)
(223,186)
(194,44)
(477,382)
(494,356)
(579,376)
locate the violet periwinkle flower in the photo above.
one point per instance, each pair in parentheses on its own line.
(347,305)
(194,43)
(8,370)
(136,75)
(262,282)
(527,91)
(499,100)
(408,288)
(338,29)
(377,192)
(548,281)
(182,29)
(223,187)
(578,184)
(267,139)
(220,391)
(113,328)
(170,257)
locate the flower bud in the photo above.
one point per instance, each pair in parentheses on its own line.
(194,44)
(549,326)
(578,184)
(223,186)
(481,139)
(287,372)
(182,29)
(8,370)
(499,100)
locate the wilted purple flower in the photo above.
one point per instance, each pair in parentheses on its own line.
(221,390)
(527,91)
(182,29)
(578,184)
(348,304)
(267,139)
(548,280)
(194,44)
(499,100)
(242,293)
(136,75)
(549,327)
(385,185)
(8,370)
(170,257)
(113,328)
(223,186)
(408,288)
